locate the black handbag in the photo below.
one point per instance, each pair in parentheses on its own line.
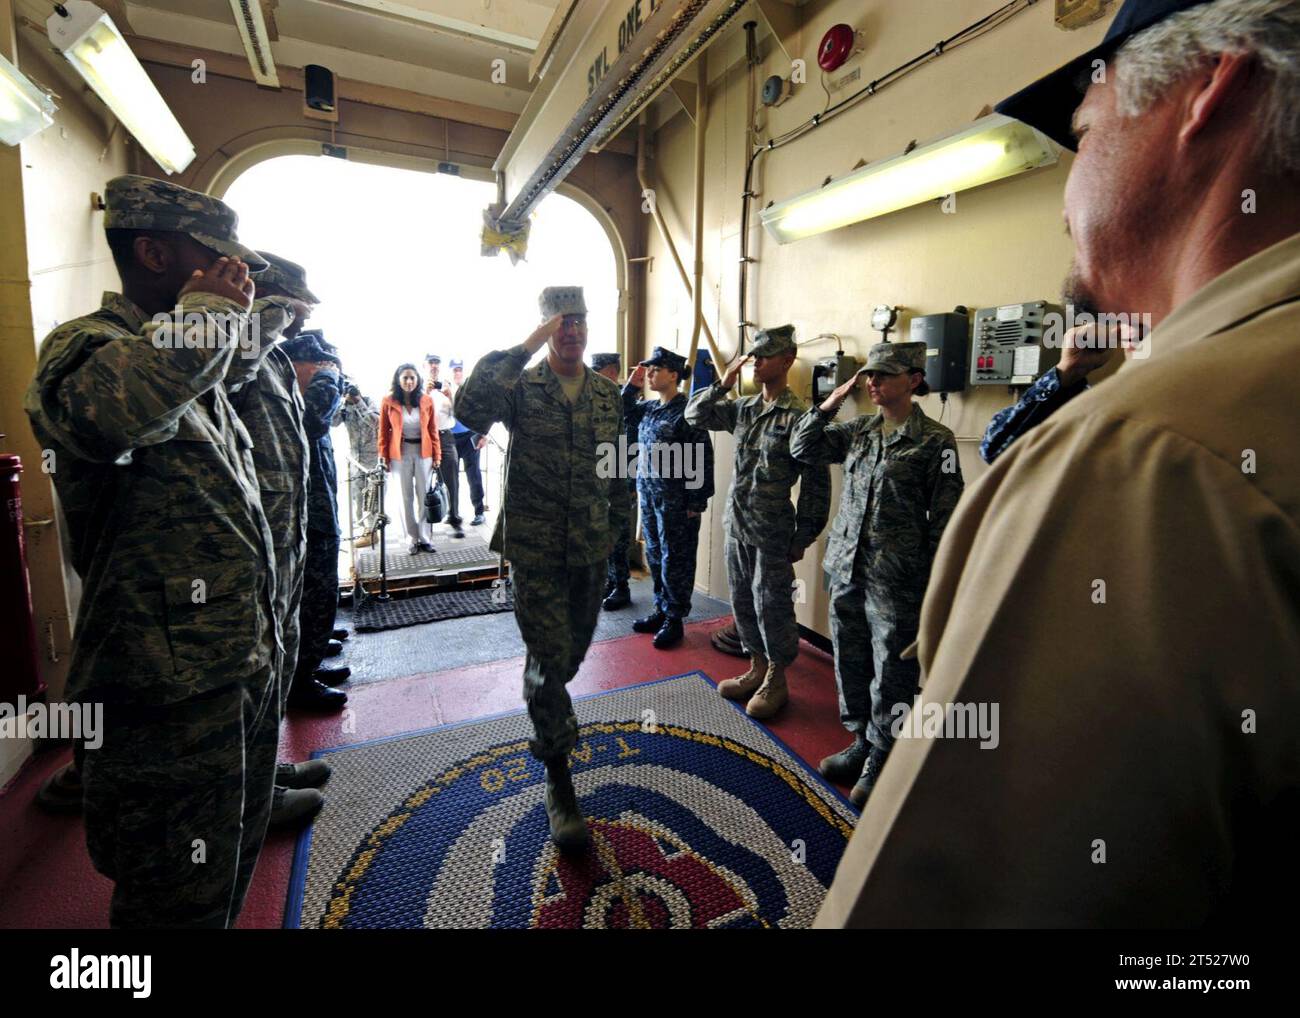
(435,501)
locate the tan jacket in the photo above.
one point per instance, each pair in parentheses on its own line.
(1159,730)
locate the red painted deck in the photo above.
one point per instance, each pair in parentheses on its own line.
(46,880)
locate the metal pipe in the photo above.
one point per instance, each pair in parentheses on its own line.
(701,116)
(667,237)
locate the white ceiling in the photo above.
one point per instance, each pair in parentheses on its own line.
(444,48)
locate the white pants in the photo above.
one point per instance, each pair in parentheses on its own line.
(415,473)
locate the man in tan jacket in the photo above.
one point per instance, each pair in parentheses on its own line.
(1124,584)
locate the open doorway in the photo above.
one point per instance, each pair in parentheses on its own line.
(394,255)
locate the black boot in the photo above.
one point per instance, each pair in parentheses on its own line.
(617,597)
(669,635)
(867,781)
(650,624)
(845,767)
(568,826)
(309,694)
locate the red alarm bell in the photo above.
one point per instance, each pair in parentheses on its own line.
(836,47)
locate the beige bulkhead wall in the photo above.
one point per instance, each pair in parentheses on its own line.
(54,265)
(1005,243)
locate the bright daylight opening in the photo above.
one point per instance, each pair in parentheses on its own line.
(393,254)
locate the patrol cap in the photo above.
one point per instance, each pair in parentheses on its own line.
(896,358)
(662,357)
(774,341)
(287,276)
(604,360)
(1049,103)
(432,358)
(456,364)
(562,300)
(132,202)
(309,346)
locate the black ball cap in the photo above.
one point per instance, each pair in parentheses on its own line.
(1049,103)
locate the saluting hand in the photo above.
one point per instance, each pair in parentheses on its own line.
(733,372)
(637,378)
(836,399)
(226,277)
(543,333)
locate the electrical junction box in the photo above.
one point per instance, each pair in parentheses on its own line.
(1008,347)
(832,372)
(947,347)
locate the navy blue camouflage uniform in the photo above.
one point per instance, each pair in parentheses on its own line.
(671,536)
(1042,399)
(320,591)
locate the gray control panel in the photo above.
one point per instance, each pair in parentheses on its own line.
(1008,347)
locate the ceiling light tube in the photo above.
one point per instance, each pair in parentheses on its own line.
(91,42)
(251,22)
(992,148)
(24,108)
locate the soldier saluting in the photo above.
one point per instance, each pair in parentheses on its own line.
(766,535)
(559,521)
(901,485)
(176,632)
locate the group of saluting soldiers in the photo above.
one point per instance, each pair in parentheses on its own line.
(198,487)
(187,422)
(902,482)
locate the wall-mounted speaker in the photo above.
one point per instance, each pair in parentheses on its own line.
(318,93)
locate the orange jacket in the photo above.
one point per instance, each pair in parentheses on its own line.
(390,430)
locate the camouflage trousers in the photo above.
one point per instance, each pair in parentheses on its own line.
(762,599)
(618,572)
(177,800)
(320,600)
(671,540)
(556,610)
(870,628)
(289,573)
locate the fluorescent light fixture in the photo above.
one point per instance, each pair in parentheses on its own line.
(251,22)
(94,46)
(991,148)
(24,108)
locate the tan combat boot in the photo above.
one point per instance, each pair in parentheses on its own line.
(742,686)
(771,695)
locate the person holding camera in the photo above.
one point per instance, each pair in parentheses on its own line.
(410,445)
(442,393)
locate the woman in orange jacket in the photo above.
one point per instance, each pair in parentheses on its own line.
(409,444)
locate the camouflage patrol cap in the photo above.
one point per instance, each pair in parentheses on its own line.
(896,358)
(133,202)
(287,276)
(662,357)
(604,360)
(562,300)
(771,342)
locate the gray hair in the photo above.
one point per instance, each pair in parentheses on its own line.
(1154,59)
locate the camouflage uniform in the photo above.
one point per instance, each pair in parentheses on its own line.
(271,408)
(619,573)
(362,421)
(320,591)
(1042,399)
(176,631)
(899,493)
(671,536)
(558,523)
(763,528)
